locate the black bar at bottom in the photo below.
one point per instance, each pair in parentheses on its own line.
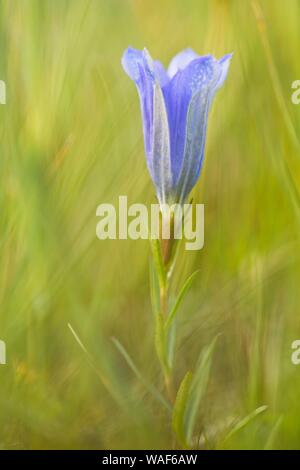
(137,458)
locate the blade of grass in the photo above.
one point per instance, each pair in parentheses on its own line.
(245,421)
(198,388)
(273,434)
(148,386)
(105,381)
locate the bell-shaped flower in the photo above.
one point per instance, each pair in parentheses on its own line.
(175,105)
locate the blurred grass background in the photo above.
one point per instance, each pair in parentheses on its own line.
(70,139)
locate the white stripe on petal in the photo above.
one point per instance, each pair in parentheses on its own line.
(161,159)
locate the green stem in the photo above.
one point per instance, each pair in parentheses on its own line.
(164,310)
(163,251)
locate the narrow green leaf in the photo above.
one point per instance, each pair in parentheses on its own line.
(160,342)
(138,374)
(154,289)
(171,343)
(180,408)
(180,298)
(158,261)
(198,388)
(245,421)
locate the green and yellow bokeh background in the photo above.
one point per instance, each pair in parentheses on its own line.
(71,139)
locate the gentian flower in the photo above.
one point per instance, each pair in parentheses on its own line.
(175,106)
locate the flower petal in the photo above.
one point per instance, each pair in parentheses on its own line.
(137,64)
(148,76)
(180,61)
(196,124)
(224,62)
(160,73)
(198,75)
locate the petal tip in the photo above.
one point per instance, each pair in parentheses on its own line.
(226,58)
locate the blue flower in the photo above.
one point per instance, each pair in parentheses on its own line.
(175,106)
